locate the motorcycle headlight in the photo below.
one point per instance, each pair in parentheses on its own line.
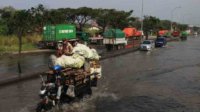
(42,92)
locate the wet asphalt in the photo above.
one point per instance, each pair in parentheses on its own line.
(163,80)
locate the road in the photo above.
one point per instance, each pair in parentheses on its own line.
(164,80)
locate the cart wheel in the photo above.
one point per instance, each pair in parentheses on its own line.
(89,91)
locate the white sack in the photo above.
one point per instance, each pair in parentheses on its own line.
(74,61)
(86,52)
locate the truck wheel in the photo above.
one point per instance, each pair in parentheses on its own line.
(119,47)
(116,47)
(123,46)
(109,47)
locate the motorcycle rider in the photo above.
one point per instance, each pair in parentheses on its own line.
(67,47)
(58,79)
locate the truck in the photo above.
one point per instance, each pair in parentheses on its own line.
(164,33)
(184,35)
(133,37)
(54,34)
(114,39)
(176,33)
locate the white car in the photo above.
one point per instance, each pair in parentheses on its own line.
(147,45)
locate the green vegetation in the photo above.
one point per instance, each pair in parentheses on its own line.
(21,23)
(11,43)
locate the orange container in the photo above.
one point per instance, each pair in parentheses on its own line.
(138,33)
(129,32)
(162,32)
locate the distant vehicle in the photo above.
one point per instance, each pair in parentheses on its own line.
(147,45)
(175,33)
(184,36)
(195,34)
(55,34)
(164,33)
(114,39)
(133,37)
(160,42)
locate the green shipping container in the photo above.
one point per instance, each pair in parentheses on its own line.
(59,32)
(184,33)
(49,33)
(114,33)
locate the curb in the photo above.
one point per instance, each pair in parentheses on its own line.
(28,52)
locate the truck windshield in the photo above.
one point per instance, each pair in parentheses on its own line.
(146,42)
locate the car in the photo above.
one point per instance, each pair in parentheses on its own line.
(147,45)
(195,34)
(160,42)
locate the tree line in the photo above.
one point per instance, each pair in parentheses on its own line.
(29,21)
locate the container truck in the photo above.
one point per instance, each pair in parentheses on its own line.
(164,33)
(175,33)
(114,39)
(133,37)
(184,35)
(54,34)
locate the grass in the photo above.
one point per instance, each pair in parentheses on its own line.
(10,43)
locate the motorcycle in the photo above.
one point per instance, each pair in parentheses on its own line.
(58,89)
(50,91)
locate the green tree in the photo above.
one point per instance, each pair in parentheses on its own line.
(37,18)
(151,24)
(120,19)
(103,18)
(82,16)
(136,23)
(165,25)
(7,14)
(113,18)
(21,26)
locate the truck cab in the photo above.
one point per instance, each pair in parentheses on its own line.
(82,36)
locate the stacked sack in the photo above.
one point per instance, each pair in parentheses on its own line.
(92,59)
(86,52)
(74,61)
(82,56)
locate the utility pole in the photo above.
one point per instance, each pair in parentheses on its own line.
(172,16)
(142,19)
(142,14)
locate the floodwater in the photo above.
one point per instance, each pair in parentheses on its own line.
(30,64)
(163,80)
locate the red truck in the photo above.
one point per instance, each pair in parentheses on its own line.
(175,33)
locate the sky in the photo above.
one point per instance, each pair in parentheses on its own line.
(164,9)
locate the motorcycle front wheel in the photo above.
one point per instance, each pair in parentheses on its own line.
(42,107)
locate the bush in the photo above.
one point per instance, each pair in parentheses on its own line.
(10,43)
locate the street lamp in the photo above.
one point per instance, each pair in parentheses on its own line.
(172,15)
(142,20)
(142,16)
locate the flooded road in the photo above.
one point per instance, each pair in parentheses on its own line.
(30,64)
(164,80)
